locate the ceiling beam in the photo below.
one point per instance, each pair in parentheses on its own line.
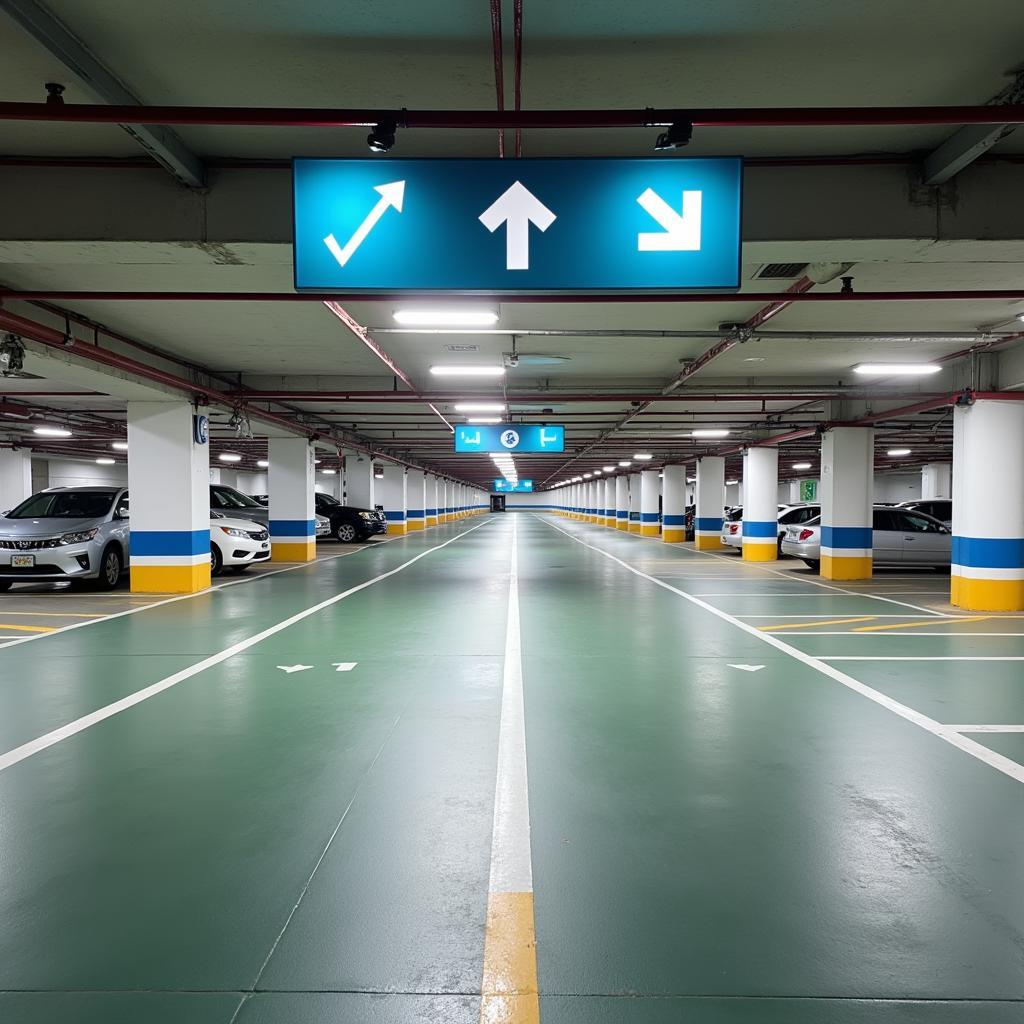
(162,143)
(964,146)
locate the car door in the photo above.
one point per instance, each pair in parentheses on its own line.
(924,541)
(887,540)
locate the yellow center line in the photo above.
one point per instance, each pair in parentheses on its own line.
(28,629)
(819,622)
(58,615)
(948,620)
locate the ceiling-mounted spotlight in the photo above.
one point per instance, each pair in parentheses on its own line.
(382,138)
(677,136)
(12,355)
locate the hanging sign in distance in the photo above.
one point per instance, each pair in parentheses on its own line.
(517,225)
(510,438)
(507,487)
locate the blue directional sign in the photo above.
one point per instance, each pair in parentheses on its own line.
(510,438)
(517,225)
(507,487)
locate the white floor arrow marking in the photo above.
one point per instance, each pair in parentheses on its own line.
(294,668)
(748,668)
(391,194)
(682,230)
(518,208)
(344,666)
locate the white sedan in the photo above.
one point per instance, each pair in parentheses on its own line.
(236,543)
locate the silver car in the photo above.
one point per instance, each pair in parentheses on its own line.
(226,501)
(66,533)
(899,537)
(732,525)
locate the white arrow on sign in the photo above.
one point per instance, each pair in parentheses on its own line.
(391,194)
(517,207)
(344,666)
(294,668)
(748,668)
(682,230)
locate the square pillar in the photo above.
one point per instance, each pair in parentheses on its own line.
(392,495)
(291,484)
(634,503)
(430,500)
(416,500)
(169,485)
(360,486)
(15,477)
(936,480)
(761,505)
(650,499)
(710,502)
(673,505)
(847,483)
(609,501)
(987,573)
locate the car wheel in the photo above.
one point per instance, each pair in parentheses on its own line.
(216,561)
(346,533)
(110,569)
(812,563)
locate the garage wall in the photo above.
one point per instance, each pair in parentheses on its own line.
(514,502)
(897,486)
(72,473)
(252,483)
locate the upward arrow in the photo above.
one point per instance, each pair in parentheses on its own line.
(517,207)
(391,194)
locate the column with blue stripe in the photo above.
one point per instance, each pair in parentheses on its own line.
(761,504)
(416,503)
(650,499)
(622,502)
(987,571)
(291,479)
(847,483)
(710,502)
(673,504)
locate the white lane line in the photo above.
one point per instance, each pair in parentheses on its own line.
(511,869)
(49,739)
(202,593)
(962,635)
(968,746)
(985,728)
(885,657)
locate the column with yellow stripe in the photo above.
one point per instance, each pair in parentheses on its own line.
(761,504)
(650,499)
(673,504)
(710,503)
(847,483)
(291,480)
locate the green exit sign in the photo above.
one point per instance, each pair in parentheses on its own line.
(808,490)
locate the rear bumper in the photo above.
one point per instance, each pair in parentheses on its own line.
(798,550)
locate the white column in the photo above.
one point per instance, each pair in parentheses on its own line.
(291,480)
(169,484)
(15,477)
(622,502)
(987,573)
(359,483)
(761,504)
(847,483)
(430,500)
(590,501)
(936,480)
(650,498)
(710,502)
(609,501)
(416,500)
(634,502)
(393,497)
(673,504)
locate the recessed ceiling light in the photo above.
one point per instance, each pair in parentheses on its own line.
(483,419)
(120,446)
(754,359)
(105,462)
(51,431)
(587,476)
(897,369)
(480,407)
(731,483)
(801,465)
(643,457)
(897,452)
(691,479)
(625,463)
(229,457)
(709,432)
(446,317)
(609,469)
(328,472)
(467,371)
(596,471)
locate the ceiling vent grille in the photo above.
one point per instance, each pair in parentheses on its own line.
(781,270)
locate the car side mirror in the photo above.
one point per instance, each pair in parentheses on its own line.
(121,513)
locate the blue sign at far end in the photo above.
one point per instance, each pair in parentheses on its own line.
(507,487)
(510,438)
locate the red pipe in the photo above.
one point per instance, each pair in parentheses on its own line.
(498,51)
(699,117)
(544,398)
(517,30)
(978,295)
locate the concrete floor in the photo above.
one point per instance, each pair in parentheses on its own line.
(753,796)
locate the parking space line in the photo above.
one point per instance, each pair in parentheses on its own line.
(927,622)
(917,657)
(809,625)
(963,743)
(985,728)
(57,615)
(965,635)
(49,739)
(28,629)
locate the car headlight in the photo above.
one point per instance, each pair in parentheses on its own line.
(78,538)
(367,515)
(232,532)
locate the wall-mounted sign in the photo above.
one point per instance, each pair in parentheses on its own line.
(808,490)
(510,438)
(522,225)
(200,429)
(507,487)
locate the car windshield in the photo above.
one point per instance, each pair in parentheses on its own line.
(228,497)
(327,499)
(65,505)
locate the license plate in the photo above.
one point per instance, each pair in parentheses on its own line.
(23,561)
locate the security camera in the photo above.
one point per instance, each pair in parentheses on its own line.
(513,359)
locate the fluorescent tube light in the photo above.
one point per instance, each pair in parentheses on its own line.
(467,371)
(897,369)
(446,317)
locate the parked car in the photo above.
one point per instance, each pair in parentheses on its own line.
(236,543)
(900,537)
(732,527)
(230,502)
(66,533)
(937,508)
(348,523)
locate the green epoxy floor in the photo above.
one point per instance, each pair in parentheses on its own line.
(709,845)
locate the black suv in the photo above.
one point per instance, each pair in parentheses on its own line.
(350,524)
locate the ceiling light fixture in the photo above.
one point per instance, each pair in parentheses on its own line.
(609,469)
(120,446)
(731,483)
(801,465)
(480,407)
(643,457)
(625,463)
(710,432)
(467,371)
(896,453)
(445,317)
(51,432)
(105,462)
(897,369)
(328,472)
(229,457)
(262,463)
